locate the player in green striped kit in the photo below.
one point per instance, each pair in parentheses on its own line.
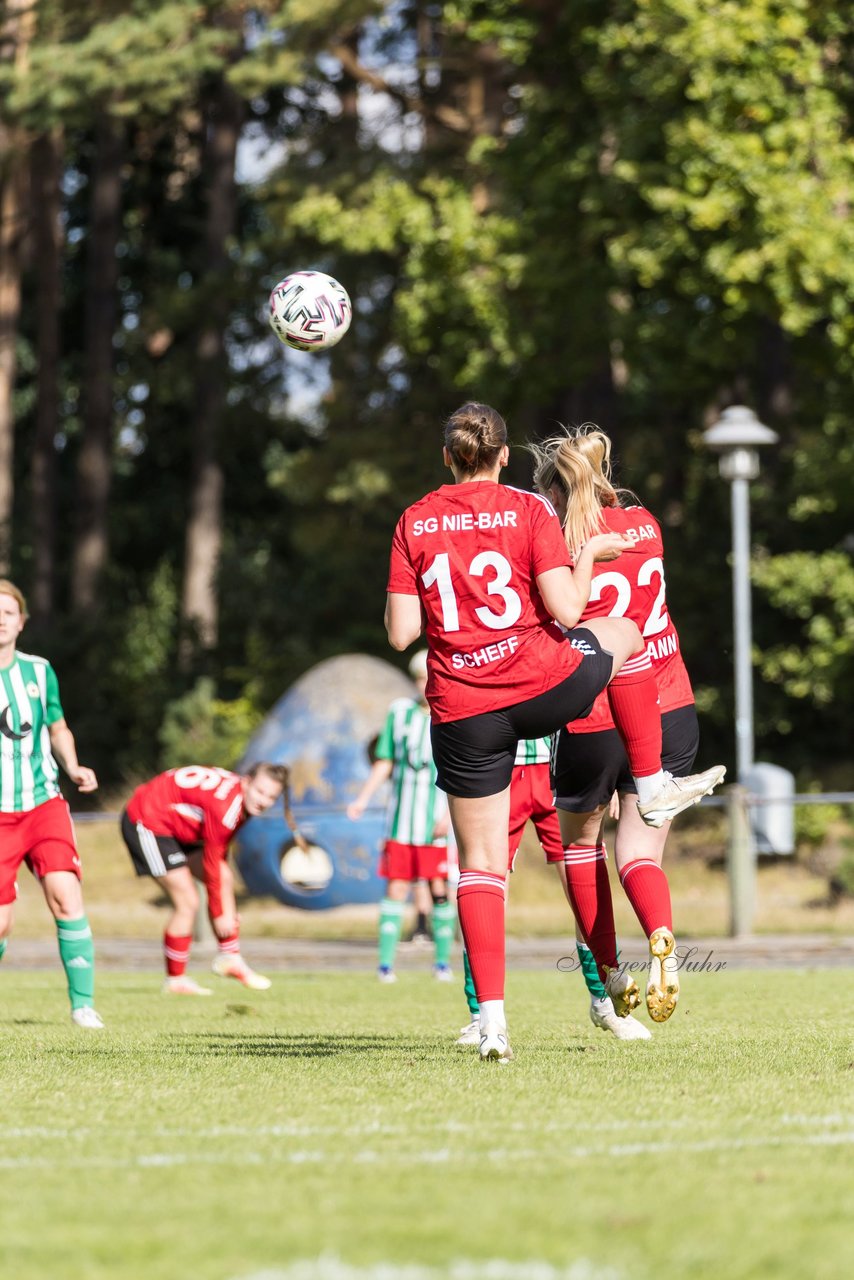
(35,822)
(531,799)
(416,845)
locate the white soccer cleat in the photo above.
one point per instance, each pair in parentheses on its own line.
(678,794)
(623,990)
(602,1015)
(182,985)
(494,1043)
(442,973)
(662,990)
(237,968)
(87,1018)
(470,1034)
(386,974)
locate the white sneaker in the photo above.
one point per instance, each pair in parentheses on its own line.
(678,794)
(182,985)
(623,990)
(88,1018)
(442,973)
(236,967)
(470,1034)
(602,1015)
(385,974)
(662,990)
(494,1043)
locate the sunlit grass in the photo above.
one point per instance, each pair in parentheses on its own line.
(334,1118)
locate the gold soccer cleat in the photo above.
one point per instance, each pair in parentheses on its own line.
(623,990)
(662,990)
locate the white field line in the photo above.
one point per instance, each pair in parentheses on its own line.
(332,1268)
(377,1128)
(441,1155)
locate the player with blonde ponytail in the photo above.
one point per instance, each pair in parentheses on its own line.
(573,469)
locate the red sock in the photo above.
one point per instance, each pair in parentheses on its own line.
(229,946)
(176,952)
(586,870)
(480,908)
(649,893)
(633,697)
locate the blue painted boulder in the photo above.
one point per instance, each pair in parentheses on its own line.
(323,729)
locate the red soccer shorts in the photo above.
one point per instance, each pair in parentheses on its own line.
(413,861)
(44,836)
(531,800)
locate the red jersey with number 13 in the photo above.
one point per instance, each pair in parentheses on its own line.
(632,586)
(472,553)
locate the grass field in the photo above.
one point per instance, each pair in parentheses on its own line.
(330,1128)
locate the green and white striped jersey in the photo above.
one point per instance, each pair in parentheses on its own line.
(29,704)
(533,751)
(416,802)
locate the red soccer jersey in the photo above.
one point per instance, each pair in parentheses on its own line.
(472,552)
(633,587)
(194,805)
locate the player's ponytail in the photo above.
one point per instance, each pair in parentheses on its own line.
(299,838)
(475,434)
(578,463)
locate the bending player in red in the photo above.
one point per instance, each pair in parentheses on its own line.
(574,471)
(483,570)
(178,826)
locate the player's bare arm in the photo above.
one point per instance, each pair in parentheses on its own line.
(225,924)
(64,749)
(403,619)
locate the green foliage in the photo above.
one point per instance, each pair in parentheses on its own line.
(628,211)
(200,728)
(813,822)
(815,594)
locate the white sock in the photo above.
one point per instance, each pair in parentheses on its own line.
(492,1011)
(648,787)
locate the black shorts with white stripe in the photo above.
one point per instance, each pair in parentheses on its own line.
(153,855)
(587,768)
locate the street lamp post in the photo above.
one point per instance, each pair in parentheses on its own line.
(736,436)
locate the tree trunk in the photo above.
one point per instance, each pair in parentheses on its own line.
(199,599)
(47,213)
(16,33)
(94,464)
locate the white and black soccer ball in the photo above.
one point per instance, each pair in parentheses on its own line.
(310,311)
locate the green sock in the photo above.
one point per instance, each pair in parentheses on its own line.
(590,972)
(444,915)
(77,953)
(391,923)
(3,942)
(468,988)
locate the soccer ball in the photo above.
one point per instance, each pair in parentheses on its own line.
(309,311)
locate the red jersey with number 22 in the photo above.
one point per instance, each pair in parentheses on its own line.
(472,553)
(632,586)
(194,805)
